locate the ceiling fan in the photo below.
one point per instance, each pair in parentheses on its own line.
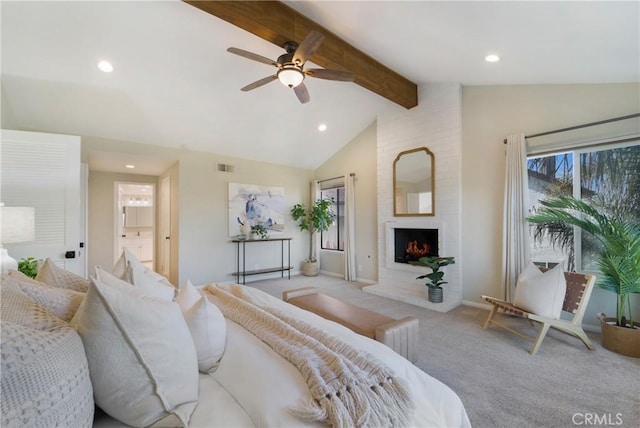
(290,66)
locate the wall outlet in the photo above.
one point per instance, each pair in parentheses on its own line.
(256,266)
(359,268)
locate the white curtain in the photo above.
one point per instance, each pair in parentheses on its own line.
(315,241)
(515,236)
(350,270)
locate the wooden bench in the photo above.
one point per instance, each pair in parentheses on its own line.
(399,335)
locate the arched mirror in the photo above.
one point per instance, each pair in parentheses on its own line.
(413,183)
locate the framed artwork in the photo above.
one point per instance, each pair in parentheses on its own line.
(257,205)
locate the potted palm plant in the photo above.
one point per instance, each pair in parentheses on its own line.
(618,262)
(435,277)
(317,218)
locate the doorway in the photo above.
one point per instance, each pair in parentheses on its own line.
(135,221)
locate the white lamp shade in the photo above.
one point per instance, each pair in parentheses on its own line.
(18,224)
(290,77)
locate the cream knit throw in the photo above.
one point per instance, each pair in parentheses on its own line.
(350,388)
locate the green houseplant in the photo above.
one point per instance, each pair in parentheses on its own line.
(317,218)
(260,231)
(28,266)
(618,259)
(436,276)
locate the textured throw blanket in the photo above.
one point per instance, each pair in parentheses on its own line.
(349,388)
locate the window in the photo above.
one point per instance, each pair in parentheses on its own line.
(332,239)
(606,176)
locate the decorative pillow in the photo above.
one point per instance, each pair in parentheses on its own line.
(128,261)
(55,276)
(207,326)
(141,357)
(16,274)
(541,293)
(45,375)
(142,278)
(60,302)
(121,270)
(187,296)
(17,307)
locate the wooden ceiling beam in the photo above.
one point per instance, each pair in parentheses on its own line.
(278,23)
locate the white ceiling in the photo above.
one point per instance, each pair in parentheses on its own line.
(175,85)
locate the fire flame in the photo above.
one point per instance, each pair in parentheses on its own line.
(414,251)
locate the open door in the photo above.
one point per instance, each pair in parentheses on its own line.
(43,171)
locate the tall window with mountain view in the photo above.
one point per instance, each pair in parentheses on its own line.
(606,176)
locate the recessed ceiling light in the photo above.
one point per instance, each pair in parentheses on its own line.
(322,127)
(130,166)
(492,58)
(105,66)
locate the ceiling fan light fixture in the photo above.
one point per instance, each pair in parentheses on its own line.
(290,76)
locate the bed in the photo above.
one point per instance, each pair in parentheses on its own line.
(254,386)
(130,345)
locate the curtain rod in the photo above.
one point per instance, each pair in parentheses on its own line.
(571,128)
(335,178)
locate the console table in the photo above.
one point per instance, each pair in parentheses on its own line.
(243,273)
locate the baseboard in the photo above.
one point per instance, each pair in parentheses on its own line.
(341,276)
(328,273)
(261,277)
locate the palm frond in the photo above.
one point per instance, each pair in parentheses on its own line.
(619,258)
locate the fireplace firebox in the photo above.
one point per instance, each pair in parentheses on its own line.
(411,244)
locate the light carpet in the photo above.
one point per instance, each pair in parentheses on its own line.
(499,382)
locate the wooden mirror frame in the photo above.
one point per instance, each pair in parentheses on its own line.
(398,211)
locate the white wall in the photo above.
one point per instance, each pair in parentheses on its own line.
(203,246)
(435,124)
(359,157)
(206,252)
(101,215)
(489,114)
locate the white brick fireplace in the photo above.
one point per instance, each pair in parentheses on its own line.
(435,124)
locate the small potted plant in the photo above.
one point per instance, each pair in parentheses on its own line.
(317,218)
(436,275)
(260,231)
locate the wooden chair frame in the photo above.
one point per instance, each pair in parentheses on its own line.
(579,288)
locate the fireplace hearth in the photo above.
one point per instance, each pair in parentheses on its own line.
(412,244)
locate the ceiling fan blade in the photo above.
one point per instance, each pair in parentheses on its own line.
(302,93)
(259,83)
(322,73)
(307,48)
(252,56)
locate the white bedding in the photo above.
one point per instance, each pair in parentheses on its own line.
(266,385)
(216,408)
(254,386)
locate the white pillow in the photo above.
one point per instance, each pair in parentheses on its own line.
(541,293)
(187,296)
(45,375)
(55,276)
(207,326)
(61,302)
(121,269)
(141,357)
(149,284)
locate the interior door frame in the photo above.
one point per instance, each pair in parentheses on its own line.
(118,219)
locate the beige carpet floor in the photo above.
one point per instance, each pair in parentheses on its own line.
(499,382)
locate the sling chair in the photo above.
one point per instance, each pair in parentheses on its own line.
(579,288)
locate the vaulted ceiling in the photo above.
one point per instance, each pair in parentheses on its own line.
(175,85)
